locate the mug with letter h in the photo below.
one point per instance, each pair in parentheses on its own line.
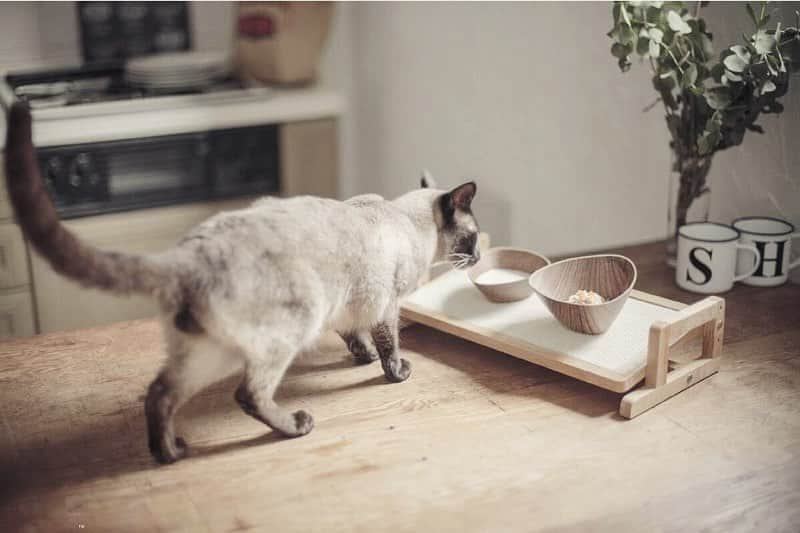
(708,254)
(773,238)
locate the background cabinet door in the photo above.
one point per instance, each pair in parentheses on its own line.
(16,313)
(13,257)
(309,161)
(5,206)
(64,304)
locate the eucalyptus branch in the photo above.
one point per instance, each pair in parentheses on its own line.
(675,60)
(710,99)
(651,105)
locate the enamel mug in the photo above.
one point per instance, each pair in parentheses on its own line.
(773,238)
(708,254)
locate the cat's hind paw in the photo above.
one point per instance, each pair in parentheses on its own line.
(167,453)
(398,372)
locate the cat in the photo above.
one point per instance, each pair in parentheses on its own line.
(246,290)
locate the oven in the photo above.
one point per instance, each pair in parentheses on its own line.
(113,176)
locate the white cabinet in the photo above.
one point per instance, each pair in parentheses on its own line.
(13,259)
(63,304)
(16,313)
(17,317)
(5,205)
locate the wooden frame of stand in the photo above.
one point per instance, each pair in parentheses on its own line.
(706,317)
(660,379)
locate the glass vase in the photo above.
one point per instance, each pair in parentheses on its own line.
(689,198)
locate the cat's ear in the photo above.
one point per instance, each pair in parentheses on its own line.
(427,181)
(462,195)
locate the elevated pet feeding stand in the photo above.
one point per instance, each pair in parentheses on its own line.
(632,357)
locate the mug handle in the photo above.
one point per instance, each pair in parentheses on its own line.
(796,262)
(756,253)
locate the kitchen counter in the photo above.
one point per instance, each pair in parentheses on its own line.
(474,441)
(265,106)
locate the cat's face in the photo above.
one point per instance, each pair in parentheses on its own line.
(458,228)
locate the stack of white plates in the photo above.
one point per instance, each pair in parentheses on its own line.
(176,71)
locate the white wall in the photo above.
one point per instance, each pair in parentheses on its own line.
(19,34)
(526,99)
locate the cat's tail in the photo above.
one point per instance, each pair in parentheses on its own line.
(68,255)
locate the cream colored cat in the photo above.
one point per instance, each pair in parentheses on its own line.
(247,290)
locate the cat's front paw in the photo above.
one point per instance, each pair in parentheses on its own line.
(398,373)
(303,424)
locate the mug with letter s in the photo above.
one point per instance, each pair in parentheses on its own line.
(773,238)
(707,257)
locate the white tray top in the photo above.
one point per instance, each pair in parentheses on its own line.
(614,360)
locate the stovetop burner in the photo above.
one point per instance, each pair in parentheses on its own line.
(94,83)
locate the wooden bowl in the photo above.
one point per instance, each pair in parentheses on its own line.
(510,258)
(610,276)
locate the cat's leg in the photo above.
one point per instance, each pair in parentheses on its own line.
(193,364)
(261,380)
(360,345)
(385,337)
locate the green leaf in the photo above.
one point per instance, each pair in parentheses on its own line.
(674,20)
(734,63)
(717,71)
(763,42)
(741,51)
(624,64)
(768,87)
(620,50)
(643,46)
(718,98)
(626,35)
(677,24)
(656,35)
(733,77)
(654,48)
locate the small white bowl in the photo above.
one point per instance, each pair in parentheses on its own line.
(524,261)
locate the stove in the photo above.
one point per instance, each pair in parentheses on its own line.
(98,89)
(124,147)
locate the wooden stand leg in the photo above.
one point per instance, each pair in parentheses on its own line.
(660,384)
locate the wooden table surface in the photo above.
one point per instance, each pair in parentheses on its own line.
(473,441)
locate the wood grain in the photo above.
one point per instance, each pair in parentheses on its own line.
(610,276)
(473,441)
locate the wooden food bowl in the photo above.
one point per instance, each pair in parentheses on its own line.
(511,258)
(610,276)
